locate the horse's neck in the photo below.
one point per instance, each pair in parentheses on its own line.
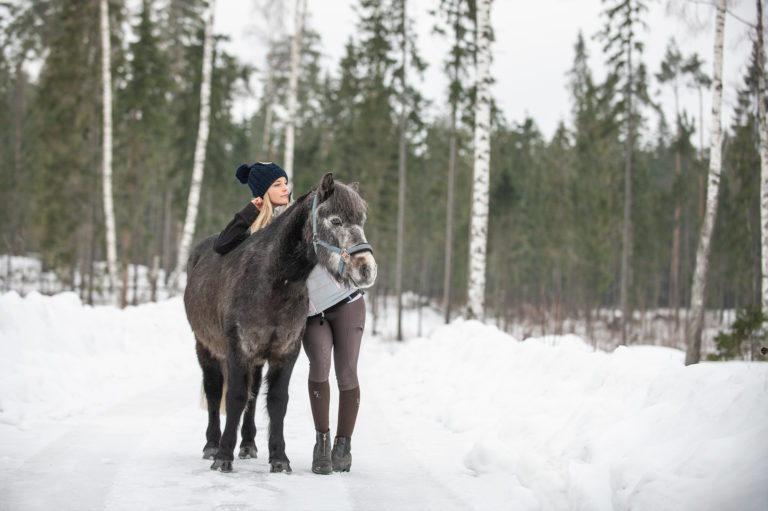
(295,257)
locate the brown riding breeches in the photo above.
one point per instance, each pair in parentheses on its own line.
(340,331)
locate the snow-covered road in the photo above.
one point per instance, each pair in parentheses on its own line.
(144,453)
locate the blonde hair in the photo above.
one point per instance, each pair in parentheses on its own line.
(265,216)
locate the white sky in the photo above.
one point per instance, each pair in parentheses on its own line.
(532,52)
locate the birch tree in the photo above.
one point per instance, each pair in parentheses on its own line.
(199,158)
(763,128)
(301,8)
(696,318)
(478,239)
(273,13)
(269,99)
(106,81)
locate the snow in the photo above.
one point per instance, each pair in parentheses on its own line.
(100,409)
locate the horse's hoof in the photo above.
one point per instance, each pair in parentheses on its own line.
(247,451)
(210,452)
(280,466)
(222,466)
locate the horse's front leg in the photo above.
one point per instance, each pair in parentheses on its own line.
(248,432)
(278,378)
(237,396)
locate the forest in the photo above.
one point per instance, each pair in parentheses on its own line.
(564,240)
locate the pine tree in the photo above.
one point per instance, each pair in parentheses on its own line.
(373,115)
(459,14)
(699,80)
(23,40)
(622,47)
(146,131)
(66,140)
(671,70)
(596,193)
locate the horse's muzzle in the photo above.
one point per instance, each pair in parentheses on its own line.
(364,269)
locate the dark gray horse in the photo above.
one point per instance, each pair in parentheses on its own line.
(249,307)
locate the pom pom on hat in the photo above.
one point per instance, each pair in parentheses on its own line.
(242,173)
(260,176)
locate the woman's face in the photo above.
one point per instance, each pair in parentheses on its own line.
(279,192)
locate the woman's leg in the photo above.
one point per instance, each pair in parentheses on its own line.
(318,341)
(347,322)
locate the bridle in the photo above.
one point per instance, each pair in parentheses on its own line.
(345,253)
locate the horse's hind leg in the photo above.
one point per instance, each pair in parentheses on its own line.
(278,377)
(237,396)
(213,381)
(248,432)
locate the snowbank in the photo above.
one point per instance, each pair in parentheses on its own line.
(561,426)
(59,357)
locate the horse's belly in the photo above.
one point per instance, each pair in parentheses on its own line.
(270,343)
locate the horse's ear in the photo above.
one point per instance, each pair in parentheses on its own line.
(355,186)
(326,187)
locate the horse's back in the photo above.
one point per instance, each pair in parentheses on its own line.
(201,296)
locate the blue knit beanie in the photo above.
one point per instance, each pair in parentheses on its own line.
(260,176)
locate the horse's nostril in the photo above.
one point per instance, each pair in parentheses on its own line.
(365,271)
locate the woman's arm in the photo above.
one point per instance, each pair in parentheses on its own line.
(237,230)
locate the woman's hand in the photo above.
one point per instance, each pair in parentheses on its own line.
(258,202)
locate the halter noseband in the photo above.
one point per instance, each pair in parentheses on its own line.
(345,254)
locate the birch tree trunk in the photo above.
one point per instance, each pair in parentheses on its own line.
(199,158)
(478,238)
(292,87)
(696,318)
(106,82)
(763,157)
(267,133)
(401,182)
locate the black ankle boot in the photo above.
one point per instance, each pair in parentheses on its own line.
(321,455)
(341,455)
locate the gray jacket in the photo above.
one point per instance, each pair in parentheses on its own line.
(324,290)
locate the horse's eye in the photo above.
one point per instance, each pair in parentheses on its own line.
(336,221)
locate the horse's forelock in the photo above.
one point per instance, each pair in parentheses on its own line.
(344,200)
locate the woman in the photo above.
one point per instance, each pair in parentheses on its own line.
(335,322)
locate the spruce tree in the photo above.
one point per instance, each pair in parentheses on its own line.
(623,49)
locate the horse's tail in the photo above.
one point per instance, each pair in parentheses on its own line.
(222,405)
